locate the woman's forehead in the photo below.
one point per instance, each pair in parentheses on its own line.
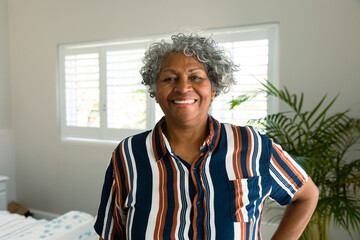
(179,60)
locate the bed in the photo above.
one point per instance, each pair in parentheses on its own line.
(72,225)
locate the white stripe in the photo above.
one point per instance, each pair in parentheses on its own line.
(237,230)
(229,153)
(132,187)
(258,155)
(155,190)
(245,198)
(279,181)
(188,201)
(111,228)
(251,151)
(210,206)
(108,204)
(178,216)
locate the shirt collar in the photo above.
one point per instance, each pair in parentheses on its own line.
(159,141)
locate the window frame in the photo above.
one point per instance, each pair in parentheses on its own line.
(105,134)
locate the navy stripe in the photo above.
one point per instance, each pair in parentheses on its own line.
(106,191)
(144,186)
(223,219)
(244,151)
(109,217)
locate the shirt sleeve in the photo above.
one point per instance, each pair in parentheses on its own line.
(287,175)
(110,222)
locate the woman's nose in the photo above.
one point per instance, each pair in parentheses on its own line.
(183,85)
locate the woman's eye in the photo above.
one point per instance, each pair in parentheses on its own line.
(168,79)
(196,77)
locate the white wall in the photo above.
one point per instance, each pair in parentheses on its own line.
(319,53)
(5,106)
(7,166)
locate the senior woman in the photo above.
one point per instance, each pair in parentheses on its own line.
(192,177)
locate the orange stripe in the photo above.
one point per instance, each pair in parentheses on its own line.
(160,219)
(248,152)
(161,201)
(195,208)
(212,132)
(162,144)
(120,228)
(112,235)
(117,179)
(165,202)
(243,230)
(239,203)
(237,153)
(195,198)
(176,200)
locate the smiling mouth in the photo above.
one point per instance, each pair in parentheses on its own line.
(184,101)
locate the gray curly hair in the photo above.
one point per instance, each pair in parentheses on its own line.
(219,67)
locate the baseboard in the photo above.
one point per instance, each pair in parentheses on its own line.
(38,214)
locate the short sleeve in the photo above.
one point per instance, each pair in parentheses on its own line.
(287,175)
(109,222)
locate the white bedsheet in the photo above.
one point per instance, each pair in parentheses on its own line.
(72,225)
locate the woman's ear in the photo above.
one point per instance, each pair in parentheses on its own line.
(213,93)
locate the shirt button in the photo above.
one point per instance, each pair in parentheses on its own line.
(198,204)
(194,169)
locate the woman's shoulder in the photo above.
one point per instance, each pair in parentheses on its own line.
(248,132)
(136,138)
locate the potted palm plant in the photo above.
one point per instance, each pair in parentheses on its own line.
(321,142)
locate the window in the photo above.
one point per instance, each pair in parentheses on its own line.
(102,98)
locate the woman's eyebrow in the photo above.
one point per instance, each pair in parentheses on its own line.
(167,70)
(196,69)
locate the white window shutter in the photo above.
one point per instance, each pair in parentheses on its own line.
(82,90)
(126,96)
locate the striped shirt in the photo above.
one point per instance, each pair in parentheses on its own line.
(151,193)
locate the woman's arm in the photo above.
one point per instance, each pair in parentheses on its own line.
(298,213)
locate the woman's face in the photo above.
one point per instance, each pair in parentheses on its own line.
(183,89)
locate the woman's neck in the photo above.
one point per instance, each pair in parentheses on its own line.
(186,140)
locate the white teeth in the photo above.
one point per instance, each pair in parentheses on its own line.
(184,101)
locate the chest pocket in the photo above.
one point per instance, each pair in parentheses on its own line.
(243,194)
